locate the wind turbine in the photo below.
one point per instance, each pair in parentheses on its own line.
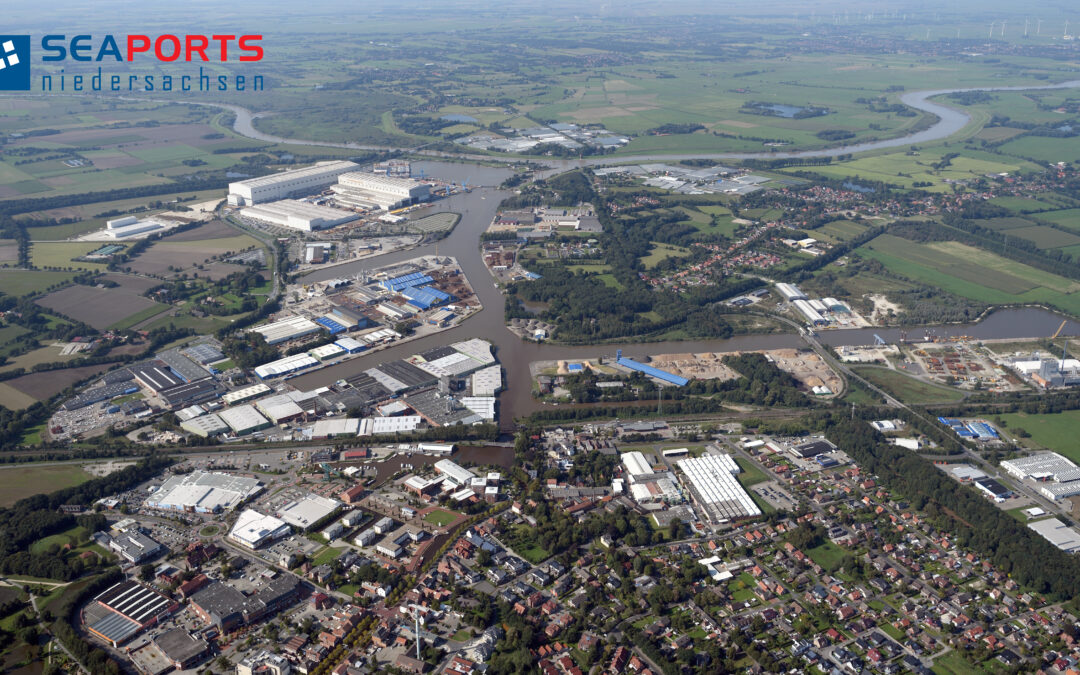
(991,31)
(1003,28)
(1038,27)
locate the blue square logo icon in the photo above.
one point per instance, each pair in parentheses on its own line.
(14,63)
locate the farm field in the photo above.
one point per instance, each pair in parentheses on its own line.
(1069,218)
(23,282)
(838,231)
(61,255)
(9,251)
(973,273)
(100,307)
(194,247)
(20,482)
(900,168)
(32,358)
(41,386)
(1055,431)
(907,388)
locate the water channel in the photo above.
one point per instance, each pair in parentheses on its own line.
(478,207)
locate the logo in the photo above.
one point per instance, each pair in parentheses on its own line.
(14,63)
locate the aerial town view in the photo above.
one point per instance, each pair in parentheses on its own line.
(540,337)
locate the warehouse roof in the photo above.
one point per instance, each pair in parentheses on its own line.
(183,366)
(243,418)
(245,393)
(713,478)
(179,646)
(286,329)
(156,375)
(252,527)
(1057,533)
(308,510)
(204,490)
(135,601)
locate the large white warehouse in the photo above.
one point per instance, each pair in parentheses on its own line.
(716,489)
(369,190)
(287,183)
(298,215)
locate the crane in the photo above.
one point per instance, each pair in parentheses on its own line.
(1058,331)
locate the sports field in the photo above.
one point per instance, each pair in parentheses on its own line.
(1055,431)
(973,273)
(440,518)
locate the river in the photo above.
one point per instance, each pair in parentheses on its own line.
(478,207)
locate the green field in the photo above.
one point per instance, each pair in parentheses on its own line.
(660,252)
(973,273)
(23,282)
(828,555)
(69,537)
(751,475)
(838,231)
(907,388)
(1056,431)
(26,481)
(61,255)
(440,518)
(326,556)
(1069,218)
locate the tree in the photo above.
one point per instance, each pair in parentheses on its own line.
(146,572)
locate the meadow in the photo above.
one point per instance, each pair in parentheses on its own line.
(1055,431)
(973,273)
(27,481)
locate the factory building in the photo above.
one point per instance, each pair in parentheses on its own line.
(655,373)
(812,315)
(790,292)
(124,610)
(298,215)
(372,191)
(204,492)
(716,489)
(287,183)
(289,364)
(286,329)
(128,226)
(454,472)
(244,419)
(1058,533)
(305,512)
(205,426)
(245,394)
(253,529)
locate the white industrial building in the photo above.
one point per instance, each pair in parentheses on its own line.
(373,191)
(1058,533)
(298,215)
(791,292)
(484,406)
(305,512)
(287,183)
(289,364)
(335,426)
(1058,476)
(245,394)
(636,465)
(375,426)
(716,489)
(286,329)
(205,426)
(122,228)
(204,492)
(243,419)
(327,351)
(454,472)
(487,382)
(253,529)
(807,310)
